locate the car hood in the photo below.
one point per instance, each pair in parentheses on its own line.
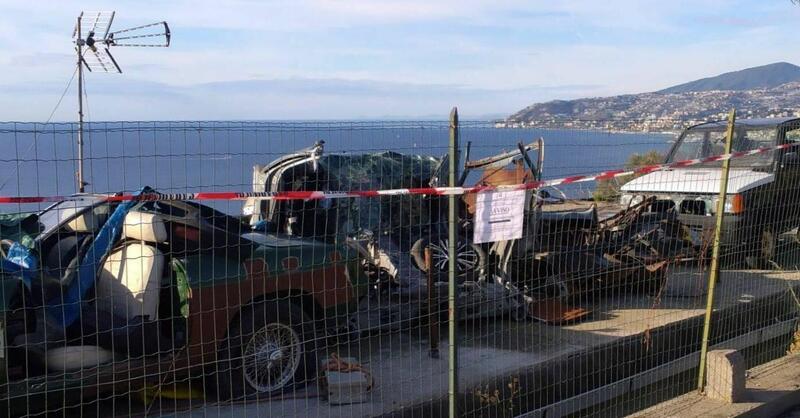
(697,181)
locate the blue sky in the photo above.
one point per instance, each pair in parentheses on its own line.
(328,59)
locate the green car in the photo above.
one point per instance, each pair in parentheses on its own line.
(129,294)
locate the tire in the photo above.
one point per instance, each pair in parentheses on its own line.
(471,257)
(271,334)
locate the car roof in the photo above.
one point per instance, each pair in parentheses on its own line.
(750,123)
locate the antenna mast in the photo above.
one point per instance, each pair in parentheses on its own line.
(94,55)
(79,48)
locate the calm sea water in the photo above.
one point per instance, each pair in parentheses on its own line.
(40,159)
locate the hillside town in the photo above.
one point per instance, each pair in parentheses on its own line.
(657,112)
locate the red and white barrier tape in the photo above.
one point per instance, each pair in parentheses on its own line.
(310,195)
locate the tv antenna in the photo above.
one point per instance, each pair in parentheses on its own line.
(93,40)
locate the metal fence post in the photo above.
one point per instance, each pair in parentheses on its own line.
(452,222)
(714,273)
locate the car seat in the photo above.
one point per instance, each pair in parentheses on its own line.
(129,282)
(123,316)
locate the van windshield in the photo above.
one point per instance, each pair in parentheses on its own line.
(701,144)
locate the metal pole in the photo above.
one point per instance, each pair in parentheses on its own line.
(79,173)
(451,279)
(540,159)
(714,273)
(433,308)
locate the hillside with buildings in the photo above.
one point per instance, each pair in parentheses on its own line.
(766,91)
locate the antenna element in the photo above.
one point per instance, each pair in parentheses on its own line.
(93,40)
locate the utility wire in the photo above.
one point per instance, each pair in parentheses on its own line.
(49,118)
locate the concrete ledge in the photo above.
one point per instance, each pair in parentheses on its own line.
(772,389)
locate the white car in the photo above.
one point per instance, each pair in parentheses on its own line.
(763,198)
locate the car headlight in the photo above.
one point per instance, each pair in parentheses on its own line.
(630,200)
(733,204)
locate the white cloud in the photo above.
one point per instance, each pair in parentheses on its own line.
(494,49)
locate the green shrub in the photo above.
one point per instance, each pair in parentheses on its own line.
(607,190)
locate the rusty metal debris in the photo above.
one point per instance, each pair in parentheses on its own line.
(563,254)
(556,312)
(571,253)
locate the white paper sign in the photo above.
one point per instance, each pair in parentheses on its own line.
(499,216)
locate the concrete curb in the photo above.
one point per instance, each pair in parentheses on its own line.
(773,388)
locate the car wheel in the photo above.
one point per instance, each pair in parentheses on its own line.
(270,349)
(470,257)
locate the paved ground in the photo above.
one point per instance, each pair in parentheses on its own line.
(405,374)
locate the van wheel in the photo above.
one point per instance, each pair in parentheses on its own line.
(270,349)
(765,251)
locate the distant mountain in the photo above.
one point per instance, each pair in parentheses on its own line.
(767,91)
(763,77)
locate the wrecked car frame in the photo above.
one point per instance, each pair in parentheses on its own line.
(561,254)
(176,286)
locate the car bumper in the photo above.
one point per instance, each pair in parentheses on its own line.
(735,230)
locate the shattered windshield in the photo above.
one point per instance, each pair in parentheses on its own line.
(701,144)
(61,212)
(379,172)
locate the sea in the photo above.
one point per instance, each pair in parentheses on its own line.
(41,159)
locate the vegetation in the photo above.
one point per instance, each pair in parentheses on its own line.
(607,190)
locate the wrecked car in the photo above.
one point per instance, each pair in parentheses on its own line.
(389,225)
(391,232)
(762,189)
(107,292)
(562,253)
(565,253)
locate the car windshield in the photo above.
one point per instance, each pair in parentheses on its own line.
(61,212)
(702,143)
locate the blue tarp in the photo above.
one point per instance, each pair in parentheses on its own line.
(21,263)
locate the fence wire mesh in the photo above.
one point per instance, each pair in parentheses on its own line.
(148,295)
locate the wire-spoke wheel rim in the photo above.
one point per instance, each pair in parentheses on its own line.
(271,357)
(467,258)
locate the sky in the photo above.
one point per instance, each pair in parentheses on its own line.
(397,59)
